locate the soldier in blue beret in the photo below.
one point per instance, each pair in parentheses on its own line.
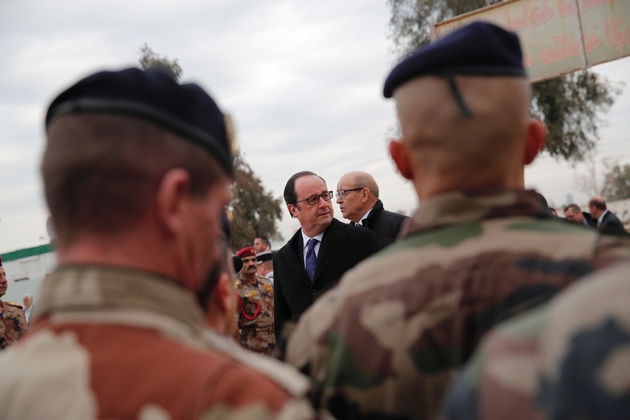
(386,342)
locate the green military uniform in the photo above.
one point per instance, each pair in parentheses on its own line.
(389,338)
(255,315)
(12,323)
(566,360)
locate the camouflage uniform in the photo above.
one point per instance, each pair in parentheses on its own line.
(114,343)
(12,323)
(388,339)
(255,316)
(567,360)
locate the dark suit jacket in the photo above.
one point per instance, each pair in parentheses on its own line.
(343,246)
(612,225)
(385,224)
(592,222)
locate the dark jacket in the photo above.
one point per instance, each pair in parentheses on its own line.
(343,246)
(611,225)
(592,222)
(385,224)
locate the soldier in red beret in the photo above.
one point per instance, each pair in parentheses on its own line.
(255,306)
(12,319)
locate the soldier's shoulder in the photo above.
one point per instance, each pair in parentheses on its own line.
(17,305)
(266,284)
(259,368)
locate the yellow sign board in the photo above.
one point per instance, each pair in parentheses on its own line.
(557,36)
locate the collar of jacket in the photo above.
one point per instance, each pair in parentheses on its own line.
(72,289)
(376,211)
(472,206)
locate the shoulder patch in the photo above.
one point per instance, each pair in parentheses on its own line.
(17,305)
(268,287)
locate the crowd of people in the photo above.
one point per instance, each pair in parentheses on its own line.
(481,305)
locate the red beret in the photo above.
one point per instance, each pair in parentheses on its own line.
(248,251)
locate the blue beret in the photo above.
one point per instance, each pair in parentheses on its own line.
(153,95)
(478,49)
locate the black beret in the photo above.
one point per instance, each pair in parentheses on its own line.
(153,95)
(478,49)
(265,256)
(237,263)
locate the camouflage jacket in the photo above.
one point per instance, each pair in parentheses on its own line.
(12,323)
(255,315)
(569,359)
(115,343)
(387,341)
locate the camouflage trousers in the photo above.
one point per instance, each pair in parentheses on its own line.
(260,340)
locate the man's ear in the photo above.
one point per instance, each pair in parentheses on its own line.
(292,210)
(365,195)
(536,137)
(400,156)
(171,198)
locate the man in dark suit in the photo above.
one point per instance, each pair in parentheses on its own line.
(607,222)
(319,253)
(573,213)
(357,196)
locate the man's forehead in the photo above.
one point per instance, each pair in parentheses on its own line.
(345,181)
(310,184)
(249,259)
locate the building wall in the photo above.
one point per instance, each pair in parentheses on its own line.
(26,270)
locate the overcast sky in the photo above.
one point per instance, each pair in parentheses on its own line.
(303,81)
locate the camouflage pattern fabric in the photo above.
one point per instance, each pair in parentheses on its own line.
(567,360)
(121,344)
(386,342)
(255,317)
(12,323)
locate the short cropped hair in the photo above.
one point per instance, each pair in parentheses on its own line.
(264,239)
(290,196)
(102,170)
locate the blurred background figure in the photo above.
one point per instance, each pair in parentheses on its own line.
(28,306)
(256,306)
(573,213)
(265,264)
(12,320)
(261,244)
(607,222)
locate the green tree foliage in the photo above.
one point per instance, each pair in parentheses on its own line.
(618,183)
(151,60)
(255,211)
(568,105)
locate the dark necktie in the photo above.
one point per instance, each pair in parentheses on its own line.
(311,259)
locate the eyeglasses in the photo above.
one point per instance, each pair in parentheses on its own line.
(314,199)
(342,193)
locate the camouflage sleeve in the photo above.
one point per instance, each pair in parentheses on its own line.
(499,382)
(567,360)
(585,350)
